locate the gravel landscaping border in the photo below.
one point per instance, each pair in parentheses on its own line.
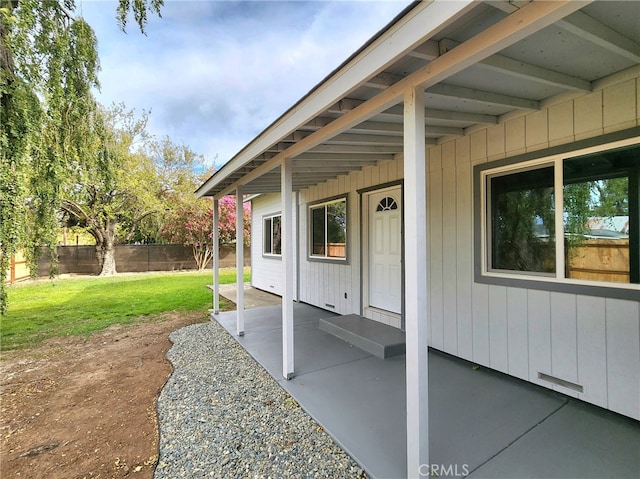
(222,415)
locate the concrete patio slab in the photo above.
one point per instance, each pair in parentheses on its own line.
(482,423)
(578,441)
(253,298)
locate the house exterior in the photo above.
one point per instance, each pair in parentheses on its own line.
(440,181)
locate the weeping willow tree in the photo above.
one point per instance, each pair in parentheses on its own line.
(48,67)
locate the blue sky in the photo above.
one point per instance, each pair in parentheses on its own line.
(216,73)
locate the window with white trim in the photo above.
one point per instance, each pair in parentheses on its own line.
(571,217)
(272,234)
(328,230)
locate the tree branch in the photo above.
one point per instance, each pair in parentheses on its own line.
(135,222)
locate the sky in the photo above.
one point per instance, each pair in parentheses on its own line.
(214,74)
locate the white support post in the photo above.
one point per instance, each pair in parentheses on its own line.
(416,316)
(288,265)
(216,258)
(239,262)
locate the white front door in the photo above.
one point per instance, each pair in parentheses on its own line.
(385,250)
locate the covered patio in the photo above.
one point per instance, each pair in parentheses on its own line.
(446,97)
(483,424)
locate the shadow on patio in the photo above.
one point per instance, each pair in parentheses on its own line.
(482,423)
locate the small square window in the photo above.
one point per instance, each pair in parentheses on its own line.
(272,233)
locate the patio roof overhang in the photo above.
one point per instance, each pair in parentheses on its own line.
(479,63)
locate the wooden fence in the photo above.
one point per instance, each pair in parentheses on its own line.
(18,268)
(134,259)
(600,260)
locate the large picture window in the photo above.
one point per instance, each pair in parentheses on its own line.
(328,229)
(272,233)
(571,217)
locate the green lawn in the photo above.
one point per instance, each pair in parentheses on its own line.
(47,309)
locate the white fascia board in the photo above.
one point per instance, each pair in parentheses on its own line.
(417,26)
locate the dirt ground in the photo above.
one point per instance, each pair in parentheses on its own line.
(83,407)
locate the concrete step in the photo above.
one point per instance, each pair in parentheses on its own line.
(374,337)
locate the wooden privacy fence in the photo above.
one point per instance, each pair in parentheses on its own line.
(600,260)
(18,268)
(135,259)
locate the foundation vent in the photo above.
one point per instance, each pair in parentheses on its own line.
(561,382)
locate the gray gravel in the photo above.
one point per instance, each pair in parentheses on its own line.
(222,415)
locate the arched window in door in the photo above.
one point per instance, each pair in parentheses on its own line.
(387,204)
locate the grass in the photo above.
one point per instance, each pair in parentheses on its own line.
(54,308)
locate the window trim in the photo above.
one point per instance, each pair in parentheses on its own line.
(265,218)
(523,279)
(310,208)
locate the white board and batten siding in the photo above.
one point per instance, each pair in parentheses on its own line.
(593,342)
(336,285)
(266,270)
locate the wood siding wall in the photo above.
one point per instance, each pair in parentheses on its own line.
(336,285)
(589,341)
(266,271)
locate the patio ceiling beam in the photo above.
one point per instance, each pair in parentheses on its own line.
(377,128)
(480,96)
(302,178)
(343,158)
(435,130)
(396,129)
(427,51)
(327,169)
(345,105)
(383,80)
(505,65)
(526,71)
(458,116)
(362,139)
(587,28)
(371,150)
(317,123)
(295,136)
(430,113)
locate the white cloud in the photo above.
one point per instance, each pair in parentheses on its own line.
(216,73)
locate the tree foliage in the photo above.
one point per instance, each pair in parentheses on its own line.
(175,169)
(191,225)
(115,186)
(48,66)
(227,220)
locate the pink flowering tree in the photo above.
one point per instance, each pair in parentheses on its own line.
(191,223)
(227,220)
